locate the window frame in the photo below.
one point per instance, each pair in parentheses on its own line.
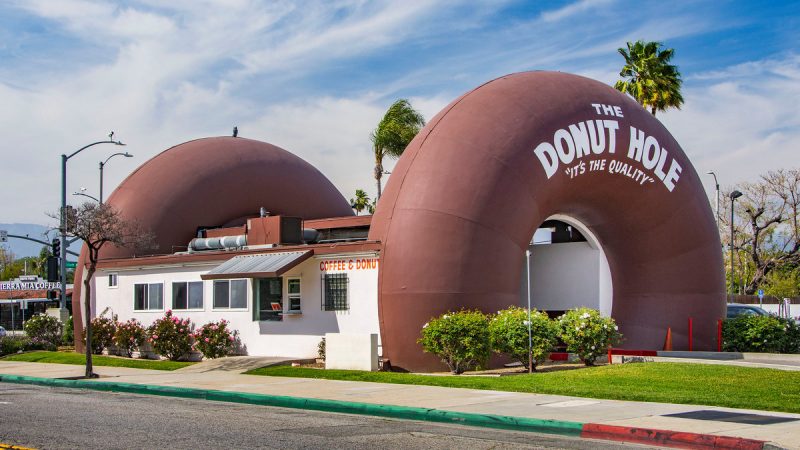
(147,297)
(115,275)
(342,279)
(290,296)
(244,281)
(187,282)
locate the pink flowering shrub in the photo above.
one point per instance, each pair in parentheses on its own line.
(171,336)
(103,329)
(215,339)
(130,335)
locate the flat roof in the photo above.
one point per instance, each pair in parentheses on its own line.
(338,222)
(212,256)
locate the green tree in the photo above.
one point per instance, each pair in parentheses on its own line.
(783,283)
(766,231)
(40,262)
(360,202)
(649,77)
(394,132)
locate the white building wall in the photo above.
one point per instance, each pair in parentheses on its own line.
(564,276)
(295,336)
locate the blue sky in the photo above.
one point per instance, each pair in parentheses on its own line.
(315,77)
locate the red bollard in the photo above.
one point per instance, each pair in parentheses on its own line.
(609,355)
(719,335)
(690,334)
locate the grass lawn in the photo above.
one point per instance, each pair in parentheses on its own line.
(97,360)
(699,384)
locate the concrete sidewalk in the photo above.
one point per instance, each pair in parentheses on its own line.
(632,417)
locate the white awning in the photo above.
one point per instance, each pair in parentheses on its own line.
(257,266)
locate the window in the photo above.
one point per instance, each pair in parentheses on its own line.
(187,295)
(293,291)
(268,298)
(334,295)
(148,296)
(112,280)
(230,294)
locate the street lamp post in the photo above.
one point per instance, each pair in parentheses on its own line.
(530,336)
(86,195)
(102,164)
(716,184)
(63,223)
(734,195)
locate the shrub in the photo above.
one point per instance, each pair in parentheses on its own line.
(69,332)
(321,349)
(460,339)
(19,344)
(791,340)
(508,333)
(40,344)
(44,328)
(171,336)
(588,334)
(214,339)
(103,330)
(130,336)
(768,334)
(13,344)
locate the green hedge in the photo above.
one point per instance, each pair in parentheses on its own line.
(766,334)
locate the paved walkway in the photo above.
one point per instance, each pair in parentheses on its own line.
(764,360)
(538,406)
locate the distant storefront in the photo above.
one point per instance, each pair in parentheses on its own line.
(25,296)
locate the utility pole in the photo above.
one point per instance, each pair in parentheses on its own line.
(63,224)
(734,195)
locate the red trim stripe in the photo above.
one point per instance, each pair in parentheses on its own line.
(668,438)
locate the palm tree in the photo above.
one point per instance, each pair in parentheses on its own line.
(361,202)
(649,77)
(394,132)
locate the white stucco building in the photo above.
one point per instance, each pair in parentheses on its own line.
(281,298)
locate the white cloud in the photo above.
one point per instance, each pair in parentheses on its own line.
(741,121)
(572,9)
(161,73)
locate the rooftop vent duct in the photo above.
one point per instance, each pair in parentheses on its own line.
(217,243)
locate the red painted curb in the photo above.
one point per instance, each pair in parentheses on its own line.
(667,438)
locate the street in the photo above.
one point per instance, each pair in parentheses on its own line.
(46,418)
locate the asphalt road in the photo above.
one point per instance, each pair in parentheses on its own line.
(45,418)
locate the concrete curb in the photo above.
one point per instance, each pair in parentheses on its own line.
(564,428)
(718,356)
(668,438)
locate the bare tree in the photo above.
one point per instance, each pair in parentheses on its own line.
(766,231)
(97,225)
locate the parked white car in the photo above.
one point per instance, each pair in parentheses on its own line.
(2,331)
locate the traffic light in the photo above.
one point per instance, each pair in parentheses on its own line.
(52,268)
(57,247)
